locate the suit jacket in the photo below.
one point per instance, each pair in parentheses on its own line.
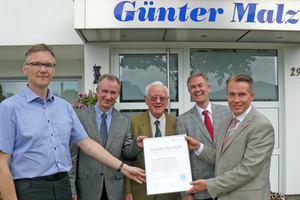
(141,126)
(243,167)
(191,124)
(87,174)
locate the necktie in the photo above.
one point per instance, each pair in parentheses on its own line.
(230,131)
(103,130)
(157,133)
(208,125)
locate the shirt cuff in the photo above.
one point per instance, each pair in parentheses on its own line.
(198,151)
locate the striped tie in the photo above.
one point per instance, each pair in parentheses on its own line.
(230,131)
(157,133)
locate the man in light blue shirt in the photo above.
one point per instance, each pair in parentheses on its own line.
(36,129)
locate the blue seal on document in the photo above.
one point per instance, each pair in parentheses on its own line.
(182,177)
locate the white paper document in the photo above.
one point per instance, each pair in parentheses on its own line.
(167,164)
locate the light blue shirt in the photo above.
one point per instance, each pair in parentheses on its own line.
(38,134)
(99,113)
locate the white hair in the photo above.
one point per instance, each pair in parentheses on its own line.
(153,84)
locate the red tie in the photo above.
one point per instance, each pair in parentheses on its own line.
(208,125)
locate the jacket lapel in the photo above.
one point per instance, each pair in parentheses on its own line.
(145,125)
(199,122)
(114,127)
(216,118)
(93,125)
(170,125)
(240,128)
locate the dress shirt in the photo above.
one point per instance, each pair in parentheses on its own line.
(209,112)
(162,124)
(37,134)
(241,117)
(99,113)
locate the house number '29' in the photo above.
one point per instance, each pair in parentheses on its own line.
(295,71)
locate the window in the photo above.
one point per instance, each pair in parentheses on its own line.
(66,88)
(219,64)
(139,70)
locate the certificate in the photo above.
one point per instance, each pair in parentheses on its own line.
(167,164)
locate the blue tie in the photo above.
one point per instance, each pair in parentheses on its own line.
(157,133)
(103,130)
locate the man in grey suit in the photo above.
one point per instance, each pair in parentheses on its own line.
(89,179)
(192,123)
(244,148)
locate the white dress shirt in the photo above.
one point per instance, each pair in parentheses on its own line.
(162,124)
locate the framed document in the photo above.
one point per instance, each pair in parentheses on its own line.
(167,164)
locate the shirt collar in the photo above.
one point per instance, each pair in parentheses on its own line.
(242,116)
(99,112)
(30,95)
(153,119)
(200,110)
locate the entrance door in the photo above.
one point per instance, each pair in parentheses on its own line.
(137,68)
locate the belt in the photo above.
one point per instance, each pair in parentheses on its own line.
(52,177)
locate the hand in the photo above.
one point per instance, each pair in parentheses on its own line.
(134,173)
(198,186)
(74,197)
(128,197)
(187,197)
(192,143)
(140,139)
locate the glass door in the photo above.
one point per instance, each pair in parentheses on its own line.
(138,68)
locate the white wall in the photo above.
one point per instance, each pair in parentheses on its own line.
(12,69)
(33,21)
(291,173)
(95,54)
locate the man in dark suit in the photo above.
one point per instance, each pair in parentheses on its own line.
(192,123)
(244,148)
(156,97)
(89,179)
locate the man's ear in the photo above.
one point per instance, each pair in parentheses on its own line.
(25,69)
(146,100)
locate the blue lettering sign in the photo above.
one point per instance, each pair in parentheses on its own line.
(263,15)
(126,11)
(118,12)
(239,9)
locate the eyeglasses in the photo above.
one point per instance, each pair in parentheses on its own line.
(154,98)
(39,65)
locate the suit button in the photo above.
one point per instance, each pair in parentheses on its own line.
(101,174)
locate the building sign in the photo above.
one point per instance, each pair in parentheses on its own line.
(192,14)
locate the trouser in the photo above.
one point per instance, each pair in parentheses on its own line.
(53,187)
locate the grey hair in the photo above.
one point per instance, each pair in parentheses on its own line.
(110,77)
(154,84)
(197,74)
(39,47)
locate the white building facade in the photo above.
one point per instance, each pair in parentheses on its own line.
(144,41)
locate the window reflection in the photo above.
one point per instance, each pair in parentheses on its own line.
(137,71)
(219,64)
(66,89)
